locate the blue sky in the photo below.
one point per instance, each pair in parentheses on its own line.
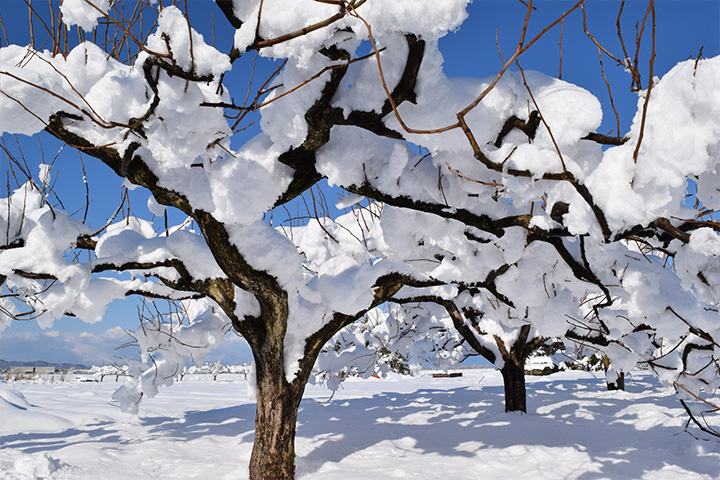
(683,26)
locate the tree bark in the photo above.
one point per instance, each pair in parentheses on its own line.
(278,401)
(273,454)
(513,374)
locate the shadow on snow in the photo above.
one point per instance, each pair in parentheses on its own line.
(464,422)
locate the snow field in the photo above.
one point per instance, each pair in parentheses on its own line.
(633,187)
(395,428)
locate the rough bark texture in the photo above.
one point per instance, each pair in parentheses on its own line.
(273,454)
(278,401)
(513,374)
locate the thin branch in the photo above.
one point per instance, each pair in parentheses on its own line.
(651,7)
(542,119)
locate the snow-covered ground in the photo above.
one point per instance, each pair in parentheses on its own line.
(400,427)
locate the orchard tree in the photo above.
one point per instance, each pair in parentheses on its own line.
(467,315)
(157,119)
(358,81)
(603,219)
(600,218)
(420,332)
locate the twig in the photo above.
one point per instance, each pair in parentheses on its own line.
(560,46)
(587,32)
(497,44)
(32,32)
(522,48)
(309,29)
(489,184)
(259,18)
(707,430)
(542,118)
(607,83)
(2,26)
(651,7)
(697,60)
(190,38)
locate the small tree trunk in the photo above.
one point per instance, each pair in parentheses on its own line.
(614,379)
(618,383)
(513,374)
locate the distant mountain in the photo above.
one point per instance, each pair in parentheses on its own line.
(39,363)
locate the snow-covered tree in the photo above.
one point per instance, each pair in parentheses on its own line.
(516,167)
(159,109)
(467,314)
(158,121)
(560,215)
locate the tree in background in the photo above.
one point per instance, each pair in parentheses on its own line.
(607,212)
(518,155)
(471,303)
(511,164)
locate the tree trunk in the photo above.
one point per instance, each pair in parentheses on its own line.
(614,379)
(618,383)
(273,454)
(513,374)
(278,401)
